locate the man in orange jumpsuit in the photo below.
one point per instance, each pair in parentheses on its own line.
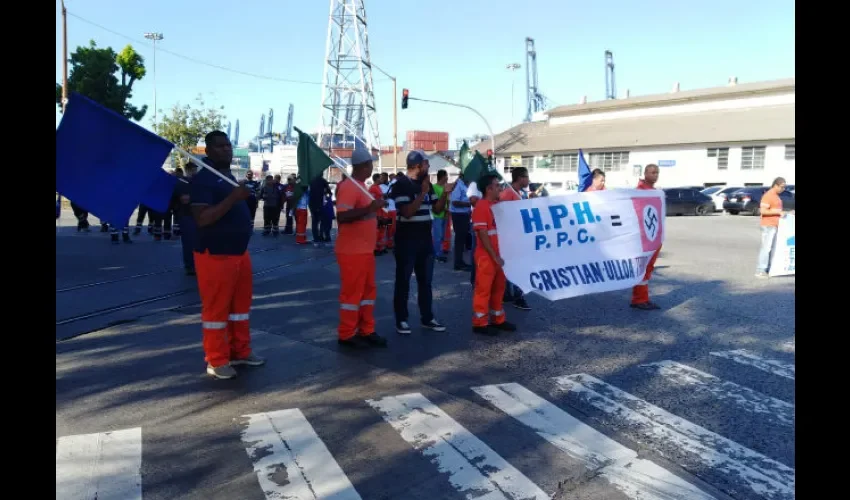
(640,293)
(381,231)
(490,277)
(222,264)
(301,219)
(356,214)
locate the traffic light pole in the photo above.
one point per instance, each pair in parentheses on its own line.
(489,129)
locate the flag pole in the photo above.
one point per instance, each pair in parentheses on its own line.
(347,176)
(64,56)
(197,161)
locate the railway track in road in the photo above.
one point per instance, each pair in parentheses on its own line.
(166,270)
(166,296)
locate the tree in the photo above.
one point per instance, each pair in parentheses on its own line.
(187,125)
(93,74)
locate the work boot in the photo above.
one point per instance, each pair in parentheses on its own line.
(222,372)
(355,342)
(374,340)
(484,330)
(645,306)
(504,326)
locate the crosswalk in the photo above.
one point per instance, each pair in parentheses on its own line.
(290,459)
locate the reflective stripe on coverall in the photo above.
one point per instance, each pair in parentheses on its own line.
(225,284)
(489,290)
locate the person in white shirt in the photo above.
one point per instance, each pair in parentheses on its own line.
(460,210)
(474,195)
(390,210)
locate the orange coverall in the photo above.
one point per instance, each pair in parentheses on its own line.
(301,226)
(489,277)
(640,293)
(354,249)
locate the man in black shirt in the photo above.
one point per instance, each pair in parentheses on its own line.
(253,186)
(183,213)
(414,249)
(319,188)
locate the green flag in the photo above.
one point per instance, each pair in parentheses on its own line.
(464,157)
(312,162)
(477,168)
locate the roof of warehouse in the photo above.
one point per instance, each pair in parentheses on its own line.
(706,127)
(670,98)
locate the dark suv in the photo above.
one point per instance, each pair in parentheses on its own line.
(748,200)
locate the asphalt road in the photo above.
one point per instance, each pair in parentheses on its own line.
(588,400)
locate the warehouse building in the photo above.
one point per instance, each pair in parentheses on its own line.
(736,135)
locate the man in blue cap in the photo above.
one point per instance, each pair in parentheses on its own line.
(414,199)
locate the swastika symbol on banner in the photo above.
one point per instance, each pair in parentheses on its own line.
(650,222)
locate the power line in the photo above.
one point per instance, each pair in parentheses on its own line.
(191,59)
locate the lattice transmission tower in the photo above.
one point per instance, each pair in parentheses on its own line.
(348,99)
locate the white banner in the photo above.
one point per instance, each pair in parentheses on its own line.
(782,261)
(582,243)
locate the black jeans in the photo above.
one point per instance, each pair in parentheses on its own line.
(188,233)
(460,224)
(271,219)
(413,255)
(321,224)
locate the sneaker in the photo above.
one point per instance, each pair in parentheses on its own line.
(522,304)
(403,328)
(505,326)
(222,372)
(434,325)
(374,340)
(484,330)
(251,360)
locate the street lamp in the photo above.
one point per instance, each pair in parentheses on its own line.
(155,37)
(512,67)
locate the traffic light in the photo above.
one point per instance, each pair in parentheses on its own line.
(404,94)
(490,158)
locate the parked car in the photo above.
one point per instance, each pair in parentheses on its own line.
(747,200)
(719,194)
(687,201)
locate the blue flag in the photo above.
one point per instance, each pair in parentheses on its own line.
(153,197)
(107,164)
(585,177)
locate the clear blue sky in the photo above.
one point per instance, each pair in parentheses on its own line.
(453,50)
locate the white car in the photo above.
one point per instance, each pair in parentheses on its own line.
(719,194)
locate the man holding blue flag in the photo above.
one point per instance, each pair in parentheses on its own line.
(222,264)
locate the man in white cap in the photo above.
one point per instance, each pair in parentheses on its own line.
(355,245)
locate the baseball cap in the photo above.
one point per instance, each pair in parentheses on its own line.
(359,156)
(416,157)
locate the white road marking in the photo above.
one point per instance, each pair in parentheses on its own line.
(474,469)
(291,461)
(103,466)
(636,478)
(744,398)
(744,357)
(739,465)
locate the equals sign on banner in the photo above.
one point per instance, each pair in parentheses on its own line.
(615,221)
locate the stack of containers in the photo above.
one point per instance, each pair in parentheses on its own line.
(427,141)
